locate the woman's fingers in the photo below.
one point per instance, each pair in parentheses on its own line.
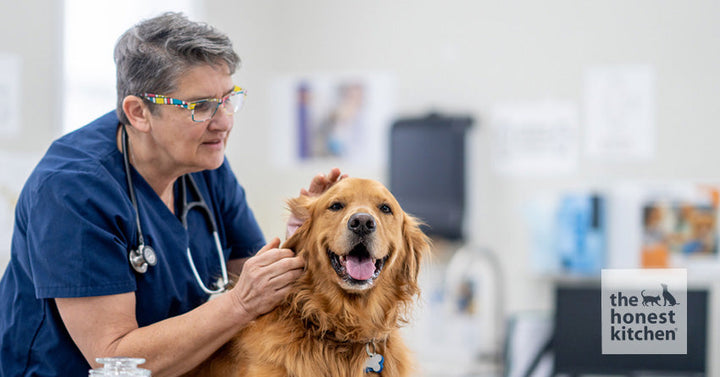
(270,271)
(322,182)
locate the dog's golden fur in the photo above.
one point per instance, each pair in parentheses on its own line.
(325,324)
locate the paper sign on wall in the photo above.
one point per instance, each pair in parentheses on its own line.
(620,113)
(531,138)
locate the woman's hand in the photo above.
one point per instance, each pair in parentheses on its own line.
(320,183)
(266,279)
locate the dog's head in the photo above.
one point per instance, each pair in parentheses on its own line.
(355,238)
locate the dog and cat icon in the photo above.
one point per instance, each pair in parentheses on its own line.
(667,297)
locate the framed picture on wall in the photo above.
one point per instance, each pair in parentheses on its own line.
(679,232)
(332,118)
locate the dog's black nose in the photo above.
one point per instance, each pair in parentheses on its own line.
(361,224)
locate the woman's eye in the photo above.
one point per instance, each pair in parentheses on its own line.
(203,106)
(384,208)
(336,206)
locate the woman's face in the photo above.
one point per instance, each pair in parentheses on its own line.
(183,144)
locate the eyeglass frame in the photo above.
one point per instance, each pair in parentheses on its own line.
(159,99)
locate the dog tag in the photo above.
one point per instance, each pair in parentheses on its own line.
(374,361)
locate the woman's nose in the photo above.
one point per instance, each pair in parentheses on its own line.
(222,121)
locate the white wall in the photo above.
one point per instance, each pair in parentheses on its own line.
(33,30)
(466,56)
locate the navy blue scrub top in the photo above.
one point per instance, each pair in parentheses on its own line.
(74,225)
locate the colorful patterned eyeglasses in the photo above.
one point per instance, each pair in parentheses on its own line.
(204,109)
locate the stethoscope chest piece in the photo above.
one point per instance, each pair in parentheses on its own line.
(142,257)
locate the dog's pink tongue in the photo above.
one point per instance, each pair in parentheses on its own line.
(360,268)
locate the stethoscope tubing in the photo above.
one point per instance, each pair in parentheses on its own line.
(131,189)
(200,203)
(223,268)
(137,260)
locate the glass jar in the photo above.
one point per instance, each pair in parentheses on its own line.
(119,367)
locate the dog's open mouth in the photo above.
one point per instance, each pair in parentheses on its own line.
(358,267)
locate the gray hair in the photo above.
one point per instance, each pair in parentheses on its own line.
(152,55)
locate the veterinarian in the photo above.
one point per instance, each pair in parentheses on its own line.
(100,249)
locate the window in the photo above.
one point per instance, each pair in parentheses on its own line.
(91,29)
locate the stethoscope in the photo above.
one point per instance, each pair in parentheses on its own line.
(144,255)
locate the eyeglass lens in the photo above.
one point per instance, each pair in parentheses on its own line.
(206,109)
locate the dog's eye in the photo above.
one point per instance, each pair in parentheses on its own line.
(384,208)
(336,206)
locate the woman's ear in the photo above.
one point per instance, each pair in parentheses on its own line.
(416,244)
(137,113)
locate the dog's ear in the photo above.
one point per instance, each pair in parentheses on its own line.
(298,224)
(416,244)
(294,242)
(300,207)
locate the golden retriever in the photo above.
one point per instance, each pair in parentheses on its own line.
(362,257)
